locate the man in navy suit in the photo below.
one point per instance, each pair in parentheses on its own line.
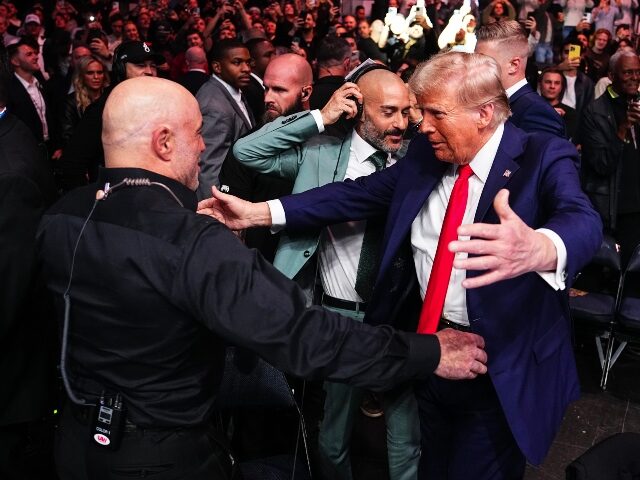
(533,230)
(506,42)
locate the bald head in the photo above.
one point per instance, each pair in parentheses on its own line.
(288,84)
(196,57)
(375,82)
(154,124)
(293,67)
(386,106)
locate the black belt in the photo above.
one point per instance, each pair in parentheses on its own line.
(343,304)
(444,323)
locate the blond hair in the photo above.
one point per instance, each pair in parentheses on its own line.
(475,78)
(83,99)
(508,35)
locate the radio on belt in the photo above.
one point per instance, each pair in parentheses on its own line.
(109,422)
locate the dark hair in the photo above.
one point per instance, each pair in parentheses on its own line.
(222,47)
(193,31)
(252,45)
(332,51)
(115,17)
(12,50)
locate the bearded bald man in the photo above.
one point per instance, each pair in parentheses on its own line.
(157,291)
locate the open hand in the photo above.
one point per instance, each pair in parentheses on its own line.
(343,101)
(504,250)
(235,213)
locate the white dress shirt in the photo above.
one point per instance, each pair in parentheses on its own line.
(33,89)
(237,96)
(569,98)
(340,244)
(426,228)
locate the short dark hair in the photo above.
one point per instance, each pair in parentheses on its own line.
(12,50)
(222,47)
(252,45)
(332,51)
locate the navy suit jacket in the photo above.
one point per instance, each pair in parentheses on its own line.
(524,321)
(531,113)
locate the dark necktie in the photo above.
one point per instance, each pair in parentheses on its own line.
(443,261)
(370,252)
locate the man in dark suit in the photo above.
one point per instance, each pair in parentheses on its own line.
(196,60)
(506,42)
(26,363)
(537,230)
(226,116)
(262,52)
(28,99)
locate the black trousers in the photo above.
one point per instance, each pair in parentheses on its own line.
(161,454)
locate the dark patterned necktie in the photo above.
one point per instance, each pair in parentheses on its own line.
(371,242)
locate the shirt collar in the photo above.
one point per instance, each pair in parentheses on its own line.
(116,175)
(27,84)
(234,92)
(612,93)
(198,70)
(361,148)
(258,79)
(517,86)
(483,161)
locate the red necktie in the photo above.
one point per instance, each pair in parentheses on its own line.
(443,262)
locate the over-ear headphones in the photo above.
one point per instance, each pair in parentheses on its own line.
(118,69)
(357,73)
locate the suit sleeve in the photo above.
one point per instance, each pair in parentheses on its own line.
(571,216)
(218,135)
(337,202)
(276,148)
(245,300)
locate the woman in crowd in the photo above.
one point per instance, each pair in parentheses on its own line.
(89,80)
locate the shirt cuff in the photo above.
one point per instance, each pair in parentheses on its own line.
(278,217)
(317,116)
(556,279)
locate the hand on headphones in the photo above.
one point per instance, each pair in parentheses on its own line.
(344,101)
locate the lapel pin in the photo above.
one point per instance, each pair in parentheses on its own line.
(507,173)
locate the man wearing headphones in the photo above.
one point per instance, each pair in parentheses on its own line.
(83,154)
(290,147)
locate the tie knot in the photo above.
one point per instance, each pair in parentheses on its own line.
(379,159)
(464,172)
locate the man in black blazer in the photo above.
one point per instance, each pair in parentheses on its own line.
(28,99)
(196,60)
(506,42)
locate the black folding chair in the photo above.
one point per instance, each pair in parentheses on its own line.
(593,301)
(628,319)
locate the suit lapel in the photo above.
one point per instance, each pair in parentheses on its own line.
(405,212)
(234,104)
(503,167)
(331,174)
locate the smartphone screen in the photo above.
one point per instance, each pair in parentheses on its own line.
(393,10)
(574,52)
